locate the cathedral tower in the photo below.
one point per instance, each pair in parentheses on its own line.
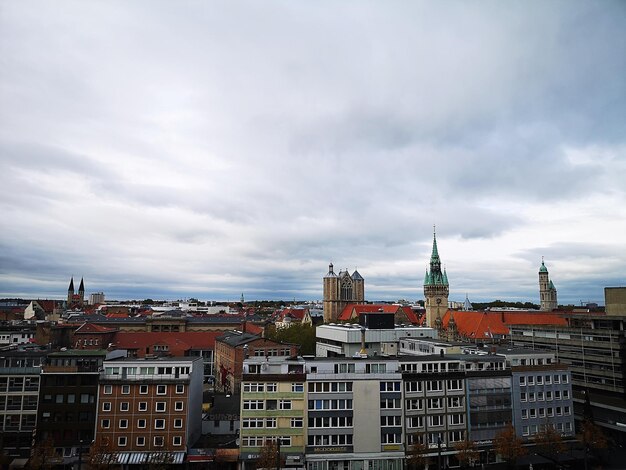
(81,293)
(547,291)
(436,289)
(70,292)
(340,290)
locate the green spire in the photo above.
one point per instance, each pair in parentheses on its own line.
(445,277)
(435,254)
(426,279)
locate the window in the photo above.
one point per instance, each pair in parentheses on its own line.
(107,389)
(540,380)
(253,387)
(178,406)
(178,423)
(390,386)
(180,388)
(550,412)
(105,423)
(374,368)
(435,403)
(124,406)
(525,431)
(123,424)
(271,387)
(159,406)
(455,419)
(565,394)
(158,441)
(284,404)
(125,389)
(413,386)
(435,420)
(415,422)
(548,379)
(390,403)
(392,438)
(542,412)
(455,402)
(143,389)
(531,380)
(533,413)
(557,379)
(434,385)
(253,404)
(345,368)
(455,436)
(71,398)
(564,378)
(539,396)
(524,414)
(557,394)
(387,421)
(455,384)
(142,406)
(177,440)
(141,423)
(522,380)
(159,424)
(106,406)
(297,387)
(549,395)
(141,441)
(121,441)
(414,404)
(161,390)
(523,396)
(297,422)
(270,422)
(531,396)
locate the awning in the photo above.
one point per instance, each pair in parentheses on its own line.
(140,458)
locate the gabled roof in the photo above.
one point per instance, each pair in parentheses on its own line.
(295,313)
(179,343)
(91,328)
(481,324)
(351,311)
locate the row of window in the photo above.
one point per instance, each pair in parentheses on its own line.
(260,441)
(69,398)
(534,429)
(435,420)
(543,412)
(267,404)
(272,352)
(158,441)
(330,440)
(331,422)
(329,387)
(431,367)
(259,387)
(350,368)
(434,385)
(541,379)
(159,423)
(256,423)
(165,370)
(159,406)
(143,389)
(339,404)
(432,438)
(541,396)
(434,403)
(18,384)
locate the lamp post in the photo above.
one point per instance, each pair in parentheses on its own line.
(278,454)
(438,452)
(80,454)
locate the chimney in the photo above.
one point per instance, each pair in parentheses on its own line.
(363,351)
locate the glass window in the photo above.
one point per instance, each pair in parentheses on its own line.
(178,406)
(180,388)
(121,441)
(159,424)
(125,389)
(141,423)
(143,389)
(161,390)
(141,441)
(178,423)
(159,406)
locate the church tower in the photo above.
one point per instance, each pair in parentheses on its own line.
(340,290)
(81,293)
(547,291)
(436,289)
(70,292)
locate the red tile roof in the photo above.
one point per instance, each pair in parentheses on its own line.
(351,311)
(92,328)
(179,343)
(480,324)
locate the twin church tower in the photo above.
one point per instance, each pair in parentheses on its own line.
(345,288)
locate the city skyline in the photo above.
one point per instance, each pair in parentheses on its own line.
(207,149)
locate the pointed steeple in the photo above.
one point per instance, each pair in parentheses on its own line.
(445,277)
(81,288)
(331,272)
(435,254)
(71,287)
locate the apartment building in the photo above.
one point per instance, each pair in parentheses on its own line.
(541,392)
(19,396)
(273,408)
(435,407)
(67,400)
(149,410)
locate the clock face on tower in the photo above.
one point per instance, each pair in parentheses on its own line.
(438,301)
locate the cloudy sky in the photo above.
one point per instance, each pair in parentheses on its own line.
(206,149)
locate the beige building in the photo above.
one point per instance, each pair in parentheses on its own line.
(340,290)
(547,291)
(615,300)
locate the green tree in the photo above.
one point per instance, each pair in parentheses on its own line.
(297,333)
(509,446)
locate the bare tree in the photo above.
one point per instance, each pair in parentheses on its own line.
(417,454)
(466,452)
(43,455)
(269,456)
(509,446)
(548,441)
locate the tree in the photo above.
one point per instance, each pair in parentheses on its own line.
(268,457)
(509,446)
(100,454)
(466,452)
(417,455)
(549,442)
(297,333)
(43,455)
(591,437)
